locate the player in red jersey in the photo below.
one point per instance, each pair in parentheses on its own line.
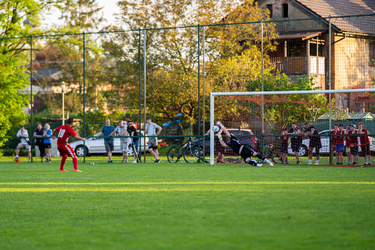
(340,144)
(365,142)
(63,134)
(333,143)
(353,143)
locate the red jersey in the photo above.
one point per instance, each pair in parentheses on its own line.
(333,137)
(364,138)
(340,139)
(353,139)
(63,133)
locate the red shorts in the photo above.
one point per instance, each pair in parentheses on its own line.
(66,150)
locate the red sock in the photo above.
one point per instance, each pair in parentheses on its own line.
(63,160)
(75,162)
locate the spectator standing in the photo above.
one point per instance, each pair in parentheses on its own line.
(315,142)
(333,140)
(25,143)
(295,140)
(284,146)
(353,143)
(347,145)
(47,134)
(40,141)
(121,130)
(365,142)
(150,130)
(134,140)
(108,141)
(340,144)
(63,134)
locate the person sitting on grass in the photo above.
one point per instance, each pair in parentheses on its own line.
(244,151)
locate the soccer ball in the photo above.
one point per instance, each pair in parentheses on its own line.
(215,129)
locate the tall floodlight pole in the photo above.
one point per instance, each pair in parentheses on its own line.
(261,25)
(144,89)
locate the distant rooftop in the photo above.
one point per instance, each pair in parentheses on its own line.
(352,116)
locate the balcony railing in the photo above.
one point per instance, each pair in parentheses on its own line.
(297,65)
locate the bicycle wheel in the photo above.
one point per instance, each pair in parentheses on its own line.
(189,155)
(173,154)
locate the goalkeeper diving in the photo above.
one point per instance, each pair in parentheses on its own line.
(244,151)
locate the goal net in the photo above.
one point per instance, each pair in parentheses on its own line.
(297,127)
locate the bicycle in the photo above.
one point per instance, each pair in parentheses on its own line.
(186,150)
(270,152)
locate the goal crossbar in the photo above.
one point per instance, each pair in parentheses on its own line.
(295,92)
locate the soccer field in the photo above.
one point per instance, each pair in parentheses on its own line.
(185,206)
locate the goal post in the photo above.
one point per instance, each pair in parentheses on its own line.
(266,94)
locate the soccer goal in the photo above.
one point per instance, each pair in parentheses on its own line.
(297,127)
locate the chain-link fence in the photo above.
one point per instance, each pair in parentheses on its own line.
(168,73)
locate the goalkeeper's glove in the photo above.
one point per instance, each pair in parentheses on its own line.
(219,124)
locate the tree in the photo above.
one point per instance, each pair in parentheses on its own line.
(280,111)
(13,57)
(172,54)
(65,53)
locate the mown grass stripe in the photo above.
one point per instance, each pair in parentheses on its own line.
(195,183)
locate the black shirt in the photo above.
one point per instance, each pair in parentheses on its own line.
(41,140)
(235,144)
(295,139)
(132,129)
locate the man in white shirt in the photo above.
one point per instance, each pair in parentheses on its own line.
(25,143)
(121,130)
(150,130)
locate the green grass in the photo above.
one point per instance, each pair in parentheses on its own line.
(185,206)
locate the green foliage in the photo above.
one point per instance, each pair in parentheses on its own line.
(14,57)
(282,110)
(232,52)
(12,99)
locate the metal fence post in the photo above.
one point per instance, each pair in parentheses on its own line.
(199,97)
(204,99)
(140,90)
(31,95)
(329,86)
(144,89)
(84,94)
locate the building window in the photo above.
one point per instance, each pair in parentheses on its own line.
(372,52)
(285,10)
(269,7)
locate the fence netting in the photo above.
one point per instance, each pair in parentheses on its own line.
(167,74)
(296,128)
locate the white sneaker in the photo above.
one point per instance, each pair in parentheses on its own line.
(268,162)
(309,163)
(316,163)
(259,165)
(134,161)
